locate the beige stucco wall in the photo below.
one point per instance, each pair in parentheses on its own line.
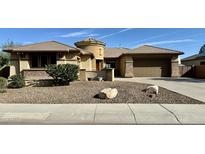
(24,64)
(86,63)
(14,64)
(193,62)
(14,67)
(122,66)
(93,61)
(175,66)
(106,74)
(68,58)
(126,66)
(97,50)
(18,63)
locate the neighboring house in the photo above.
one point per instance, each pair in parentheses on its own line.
(194,60)
(92,55)
(196,65)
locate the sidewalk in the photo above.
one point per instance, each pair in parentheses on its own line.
(102,114)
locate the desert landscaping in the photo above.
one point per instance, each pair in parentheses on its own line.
(85,93)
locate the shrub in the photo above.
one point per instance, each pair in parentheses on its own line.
(4,59)
(3,84)
(62,74)
(17,81)
(5,71)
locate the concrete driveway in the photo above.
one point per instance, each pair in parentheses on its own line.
(194,88)
(102,114)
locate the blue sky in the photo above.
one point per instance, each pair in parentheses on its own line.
(188,40)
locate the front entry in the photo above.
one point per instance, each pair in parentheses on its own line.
(99,65)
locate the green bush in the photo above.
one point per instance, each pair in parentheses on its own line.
(3,84)
(4,71)
(4,59)
(62,74)
(17,81)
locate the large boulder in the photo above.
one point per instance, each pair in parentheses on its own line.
(108,93)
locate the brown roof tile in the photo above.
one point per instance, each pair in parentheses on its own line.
(85,52)
(194,57)
(43,46)
(115,52)
(147,49)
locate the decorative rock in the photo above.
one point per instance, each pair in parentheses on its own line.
(100,78)
(108,93)
(154,88)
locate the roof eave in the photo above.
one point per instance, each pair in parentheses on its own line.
(179,53)
(13,50)
(198,58)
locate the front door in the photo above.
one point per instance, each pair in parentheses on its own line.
(97,65)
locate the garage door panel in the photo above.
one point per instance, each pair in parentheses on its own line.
(151,67)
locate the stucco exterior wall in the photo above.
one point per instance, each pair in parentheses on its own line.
(18,62)
(14,67)
(93,61)
(175,67)
(126,66)
(14,64)
(97,50)
(24,64)
(200,71)
(122,66)
(105,74)
(68,58)
(86,63)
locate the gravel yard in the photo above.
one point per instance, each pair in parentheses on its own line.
(84,92)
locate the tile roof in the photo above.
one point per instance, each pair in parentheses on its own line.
(147,49)
(88,41)
(114,52)
(84,52)
(43,46)
(193,57)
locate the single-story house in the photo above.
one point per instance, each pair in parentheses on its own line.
(194,60)
(93,55)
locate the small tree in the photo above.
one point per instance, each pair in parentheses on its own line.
(62,74)
(202,50)
(4,57)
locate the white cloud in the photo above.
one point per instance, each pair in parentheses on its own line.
(92,35)
(25,43)
(166,42)
(83,33)
(121,31)
(74,34)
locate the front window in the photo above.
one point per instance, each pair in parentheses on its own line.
(111,64)
(34,61)
(40,61)
(44,61)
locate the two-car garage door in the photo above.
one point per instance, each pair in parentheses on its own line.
(151,67)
